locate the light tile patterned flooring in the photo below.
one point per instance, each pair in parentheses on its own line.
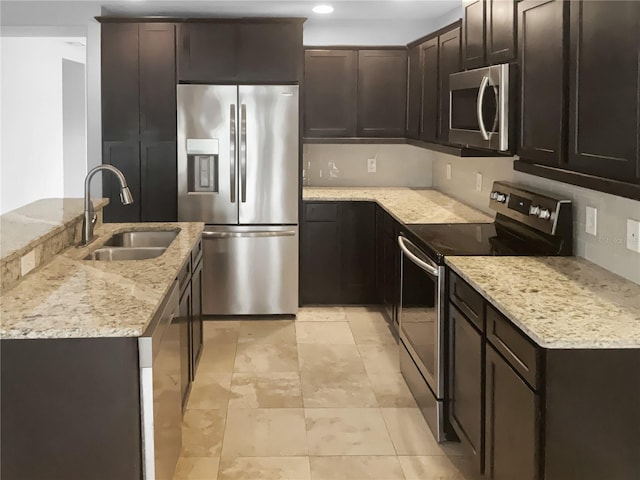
(318,398)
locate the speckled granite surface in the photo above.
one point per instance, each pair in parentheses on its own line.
(75,298)
(560,302)
(406,204)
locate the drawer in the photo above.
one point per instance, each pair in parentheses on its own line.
(185,275)
(521,353)
(196,253)
(321,212)
(470,302)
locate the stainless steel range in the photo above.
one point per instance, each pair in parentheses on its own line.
(527,223)
(238,164)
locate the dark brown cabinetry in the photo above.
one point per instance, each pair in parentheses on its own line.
(448,63)
(244,52)
(138,119)
(355,93)
(387,262)
(196,321)
(184,317)
(488,32)
(414,92)
(330,93)
(338,253)
(541,56)
(604,74)
(429,112)
(382,93)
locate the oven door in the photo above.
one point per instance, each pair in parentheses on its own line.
(479,107)
(420,317)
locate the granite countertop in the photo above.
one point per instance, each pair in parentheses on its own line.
(25,226)
(408,205)
(559,302)
(74,298)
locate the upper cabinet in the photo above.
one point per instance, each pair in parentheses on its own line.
(240,51)
(382,93)
(488,32)
(448,63)
(604,86)
(429,101)
(355,92)
(541,65)
(414,92)
(330,79)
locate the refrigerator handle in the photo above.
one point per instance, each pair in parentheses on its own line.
(232,152)
(243,153)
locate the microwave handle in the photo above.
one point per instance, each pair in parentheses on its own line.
(483,88)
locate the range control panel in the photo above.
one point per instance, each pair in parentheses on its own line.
(539,210)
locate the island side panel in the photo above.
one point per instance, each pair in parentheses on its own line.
(592,414)
(70,409)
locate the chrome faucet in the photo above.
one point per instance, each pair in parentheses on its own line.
(90,216)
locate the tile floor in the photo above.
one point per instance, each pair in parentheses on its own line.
(318,398)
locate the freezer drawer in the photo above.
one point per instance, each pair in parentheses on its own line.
(250,270)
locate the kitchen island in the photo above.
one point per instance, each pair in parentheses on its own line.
(73,403)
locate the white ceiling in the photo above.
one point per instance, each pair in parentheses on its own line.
(353,21)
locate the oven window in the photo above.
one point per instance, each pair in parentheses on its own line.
(464,109)
(419,315)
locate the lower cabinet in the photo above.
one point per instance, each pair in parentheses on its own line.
(512,423)
(338,253)
(184,313)
(387,262)
(196,323)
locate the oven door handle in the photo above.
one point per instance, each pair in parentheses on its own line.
(430,268)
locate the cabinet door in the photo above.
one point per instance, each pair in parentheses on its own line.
(414,93)
(473,35)
(604,85)
(119,67)
(466,387)
(449,62)
(269,52)
(330,93)
(207,52)
(196,319)
(382,93)
(541,24)
(357,235)
(500,31)
(512,423)
(126,157)
(429,116)
(157,81)
(184,314)
(158,181)
(320,274)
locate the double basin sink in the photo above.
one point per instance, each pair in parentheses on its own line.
(134,245)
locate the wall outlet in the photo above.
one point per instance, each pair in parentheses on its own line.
(591,222)
(28,262)
(479,182)
(371,165)
(633,235)
(448,171)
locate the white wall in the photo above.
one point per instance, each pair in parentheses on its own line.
(31,158)
(74,128)
(607,248)
(397,165)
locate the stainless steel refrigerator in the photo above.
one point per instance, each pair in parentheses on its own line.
(238,151)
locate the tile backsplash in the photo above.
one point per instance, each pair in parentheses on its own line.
(607,248)
(332,165)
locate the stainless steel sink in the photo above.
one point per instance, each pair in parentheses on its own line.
(109,254)
(144,238)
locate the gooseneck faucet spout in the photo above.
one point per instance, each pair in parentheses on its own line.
(89,213)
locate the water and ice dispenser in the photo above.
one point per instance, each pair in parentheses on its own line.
(202,165)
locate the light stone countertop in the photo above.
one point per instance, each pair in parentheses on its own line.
(26,226)
(559,302)
(74,298)
(408,205)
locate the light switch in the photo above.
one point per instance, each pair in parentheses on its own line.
(479,182)
(28,262)
(372,165)
(633,235)
(591,223)
(448,171)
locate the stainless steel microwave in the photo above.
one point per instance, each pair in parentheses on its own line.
(479,107)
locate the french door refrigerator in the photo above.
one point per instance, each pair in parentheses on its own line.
(238,150)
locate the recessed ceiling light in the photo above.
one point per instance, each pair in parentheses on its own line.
(324,9)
